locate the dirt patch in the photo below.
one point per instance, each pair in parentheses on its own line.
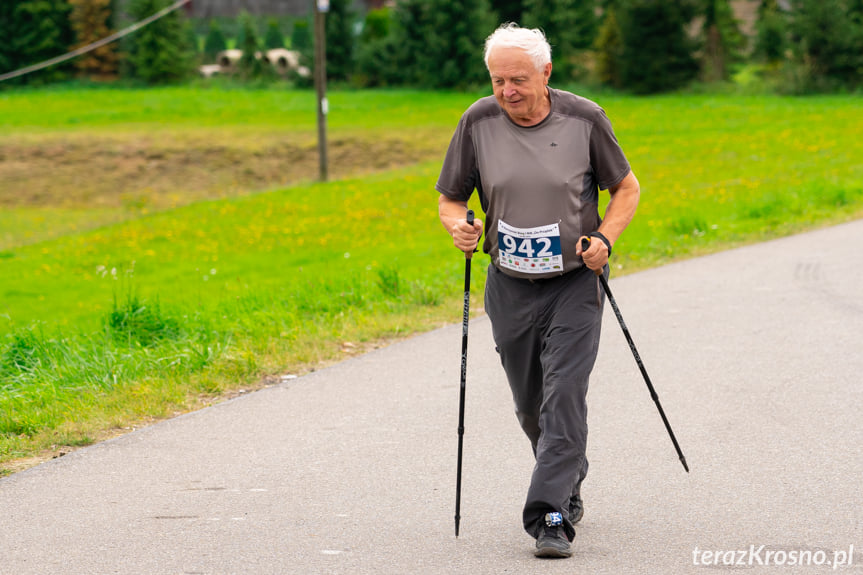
(148,172)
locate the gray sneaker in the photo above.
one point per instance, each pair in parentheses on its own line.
(552,542)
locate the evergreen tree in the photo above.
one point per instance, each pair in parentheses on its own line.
(251,65)
(340,40)
(159,53)
(376,61)
(303,43)
(569,25)
(855,14)
(441,42)
(33,31)
(410,20)
(214,42)
(657,53)
(508,10)
(609,50)
(273,37)
(90,20)
(825,43)
(301,36)
(722,40)
(770,33)
(462,28)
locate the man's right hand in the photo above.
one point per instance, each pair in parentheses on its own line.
(465,236)
(453,216)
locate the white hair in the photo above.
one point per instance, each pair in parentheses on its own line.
(531,40)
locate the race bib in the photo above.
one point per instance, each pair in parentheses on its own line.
(530,250)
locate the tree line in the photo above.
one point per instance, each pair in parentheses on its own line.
(639,46)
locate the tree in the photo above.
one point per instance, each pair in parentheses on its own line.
(89,20)
(409,23)
(770,33)
(302,42)
(657,52)
(340,40)
(508,10)
(34,31)
(251,65)
(376,60)
(722,40)
(441,42)
(569,25)
(301,36)
(609,50)
(214,42)
(273,37)
(158,53)
(826,44)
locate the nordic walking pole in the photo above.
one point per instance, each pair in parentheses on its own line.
(464,322)
(585,243)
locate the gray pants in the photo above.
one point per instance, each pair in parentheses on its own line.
(547,335)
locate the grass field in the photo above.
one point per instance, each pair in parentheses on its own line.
(226,267)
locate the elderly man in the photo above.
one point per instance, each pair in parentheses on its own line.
(538,157)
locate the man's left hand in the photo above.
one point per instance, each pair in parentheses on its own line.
(596,255)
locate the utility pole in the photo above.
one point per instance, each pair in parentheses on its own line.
(322,7)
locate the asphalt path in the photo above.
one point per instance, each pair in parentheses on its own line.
(755,354)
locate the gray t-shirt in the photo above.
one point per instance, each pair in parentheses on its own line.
(539,185)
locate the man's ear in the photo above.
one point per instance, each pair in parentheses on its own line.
(547,72)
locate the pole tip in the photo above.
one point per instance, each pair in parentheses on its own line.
(683,461)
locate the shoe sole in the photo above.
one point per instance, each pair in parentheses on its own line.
(552,553)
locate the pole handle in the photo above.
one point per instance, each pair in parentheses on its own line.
(469,217)
(585,244)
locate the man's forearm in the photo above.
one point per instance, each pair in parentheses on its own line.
(450,212)
(621,208)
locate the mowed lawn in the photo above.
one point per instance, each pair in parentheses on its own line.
(104,324)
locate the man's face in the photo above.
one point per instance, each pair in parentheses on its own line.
(518,86)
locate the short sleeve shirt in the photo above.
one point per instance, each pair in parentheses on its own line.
(539,184)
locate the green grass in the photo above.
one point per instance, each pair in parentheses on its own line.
(102,328)
(182,108)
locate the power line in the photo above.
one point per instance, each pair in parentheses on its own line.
(97,44)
